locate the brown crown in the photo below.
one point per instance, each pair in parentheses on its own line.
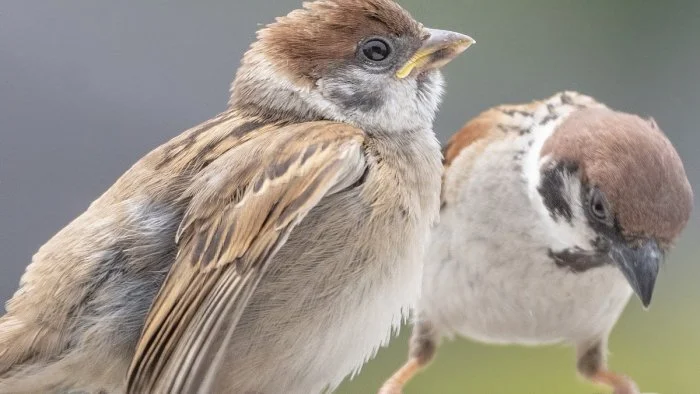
(308,40)
(633,163)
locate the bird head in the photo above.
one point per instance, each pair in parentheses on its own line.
(363,62)
(614,191)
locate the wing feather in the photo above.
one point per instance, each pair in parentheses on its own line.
(242,208)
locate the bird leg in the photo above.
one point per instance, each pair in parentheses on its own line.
(592,365)
(394,385)
(421,351)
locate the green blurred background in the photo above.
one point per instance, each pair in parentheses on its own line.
(87,88)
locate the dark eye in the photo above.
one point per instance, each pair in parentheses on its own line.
(599,206)
(376,49)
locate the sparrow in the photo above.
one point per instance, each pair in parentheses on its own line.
(270,249)
(553,214)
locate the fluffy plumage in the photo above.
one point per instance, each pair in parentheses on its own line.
(541,241)
(270,249)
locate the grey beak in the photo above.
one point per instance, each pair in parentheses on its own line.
(640,265)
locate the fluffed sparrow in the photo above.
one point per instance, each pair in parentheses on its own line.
(270,249)
(553,214)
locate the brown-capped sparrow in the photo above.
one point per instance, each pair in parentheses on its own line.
(270,249)
(553,214)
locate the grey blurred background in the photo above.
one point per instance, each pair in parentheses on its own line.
(88,87)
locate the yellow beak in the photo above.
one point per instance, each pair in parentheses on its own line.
(438,49)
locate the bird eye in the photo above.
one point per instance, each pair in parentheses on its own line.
(376,49)
(599,206)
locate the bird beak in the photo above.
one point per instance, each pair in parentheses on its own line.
(438,49)
(640,265)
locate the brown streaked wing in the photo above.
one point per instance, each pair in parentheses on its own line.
(477,134)
(242,208)
(494,123)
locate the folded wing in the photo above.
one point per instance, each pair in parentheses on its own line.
(242,208)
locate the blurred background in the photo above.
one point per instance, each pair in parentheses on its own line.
(87,88)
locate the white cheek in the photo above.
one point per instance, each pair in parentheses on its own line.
(576,233)
(403,106)
(541,132)
(564,234)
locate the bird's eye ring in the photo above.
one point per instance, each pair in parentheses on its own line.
(599,206)
(376,49)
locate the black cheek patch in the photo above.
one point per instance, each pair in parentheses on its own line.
(578,260)
(552,190)
(364,101)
